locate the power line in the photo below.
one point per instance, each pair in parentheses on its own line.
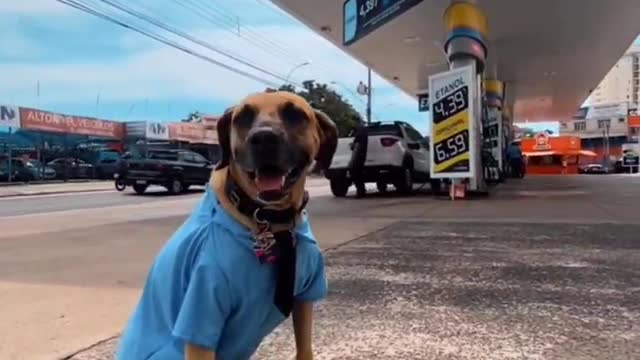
(82,7)
(184,35)
(229,23)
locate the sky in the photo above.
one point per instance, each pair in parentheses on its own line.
(57,58)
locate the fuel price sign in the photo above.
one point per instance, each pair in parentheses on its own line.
(452,123)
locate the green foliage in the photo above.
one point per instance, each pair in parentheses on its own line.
(194,116)
(325,99)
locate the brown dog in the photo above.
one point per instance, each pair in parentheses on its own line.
(246,258)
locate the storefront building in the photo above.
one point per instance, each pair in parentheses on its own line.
(555,155)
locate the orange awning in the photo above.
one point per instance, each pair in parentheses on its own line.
(588,153)
(540,153)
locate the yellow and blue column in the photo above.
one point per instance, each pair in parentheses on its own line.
(466,44)
(467,34)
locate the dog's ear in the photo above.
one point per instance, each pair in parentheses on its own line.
(328,141)
(223,127)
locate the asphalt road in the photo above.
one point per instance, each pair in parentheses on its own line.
(71,268)
(61,202)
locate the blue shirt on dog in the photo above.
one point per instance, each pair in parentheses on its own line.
(207,288)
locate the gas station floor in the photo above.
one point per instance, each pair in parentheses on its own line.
(545,268)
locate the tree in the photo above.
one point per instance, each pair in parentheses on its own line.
(323,98)
(193,117)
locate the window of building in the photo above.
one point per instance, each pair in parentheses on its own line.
(620,120)
(579,126)
(602,124)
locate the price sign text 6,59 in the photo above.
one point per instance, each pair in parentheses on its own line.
(451,147)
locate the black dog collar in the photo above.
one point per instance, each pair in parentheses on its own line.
(258,210)
(281,250)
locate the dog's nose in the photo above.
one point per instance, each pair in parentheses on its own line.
(265,140)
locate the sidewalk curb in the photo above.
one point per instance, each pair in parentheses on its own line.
(53,192)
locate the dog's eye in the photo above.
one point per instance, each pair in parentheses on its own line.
(245,117)
(293,115)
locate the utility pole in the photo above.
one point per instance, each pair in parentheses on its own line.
(368,95)
(366,90)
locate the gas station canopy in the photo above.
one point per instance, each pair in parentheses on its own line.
(549,53)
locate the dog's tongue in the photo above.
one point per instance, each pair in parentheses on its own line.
(269,183)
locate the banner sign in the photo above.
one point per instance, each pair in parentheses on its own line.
(9,116)
(156,131)
(38,120)
(361,17)
(452,115)
(192,133)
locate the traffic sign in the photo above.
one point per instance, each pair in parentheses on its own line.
(630,159)
(452,111)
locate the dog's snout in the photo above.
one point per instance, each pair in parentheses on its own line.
(265,139)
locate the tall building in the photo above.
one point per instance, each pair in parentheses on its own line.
(622,82)
(606,122)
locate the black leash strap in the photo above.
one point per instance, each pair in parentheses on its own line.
(282,253)
(285,272)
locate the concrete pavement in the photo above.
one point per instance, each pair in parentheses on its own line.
(55,188)
(420,282)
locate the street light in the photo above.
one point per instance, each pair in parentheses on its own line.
(287,82)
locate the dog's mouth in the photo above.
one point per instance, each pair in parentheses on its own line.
(272,183)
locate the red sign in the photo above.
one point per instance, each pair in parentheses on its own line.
(634,121)
(542,141)
(193,133)
(32,119)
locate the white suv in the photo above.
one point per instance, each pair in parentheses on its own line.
(396,154)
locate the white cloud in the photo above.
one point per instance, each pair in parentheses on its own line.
(32,7)
(160,72)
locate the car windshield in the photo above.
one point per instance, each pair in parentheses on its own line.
(384,129)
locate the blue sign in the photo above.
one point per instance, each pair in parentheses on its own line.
(361,17)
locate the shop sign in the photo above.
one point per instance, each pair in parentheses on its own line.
(156,131)
(192,133)
(361,17)
(542,141)
(607,111)
(9,116)
(633,121)
(452,113)
(39,120)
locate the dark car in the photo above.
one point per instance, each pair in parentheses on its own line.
(593,169)
(21,170)
(70,168)
(176,170)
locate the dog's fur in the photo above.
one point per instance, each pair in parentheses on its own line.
(318,137)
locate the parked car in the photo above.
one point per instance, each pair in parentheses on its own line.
(20,170)
(396,154)
(592,169)
(41,171)
(70,168)
(176,170)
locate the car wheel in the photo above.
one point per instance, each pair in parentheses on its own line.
(339,187)
(176,187)
(140,188)
(404,183)
(121,185)
(382,186)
